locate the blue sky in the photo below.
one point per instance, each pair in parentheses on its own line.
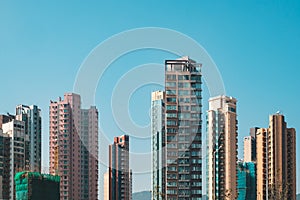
(255,45)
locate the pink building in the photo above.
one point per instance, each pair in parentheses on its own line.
(120,176)
(74,147)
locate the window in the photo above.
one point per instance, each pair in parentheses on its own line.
(184,108)
(196,108)
(183,92)
(172,145)
(171,107)
(196,77)
(171,191)
(173,100)
(171,122)
(184,100)
(172,176)
(171,183)
(196,85)
(170,92)
(196,153)
(171,168)
(171,138)
(171,130)
(184,85)
(184,176)
(170,84)
(171,77)
(183,77)
(184,115)
(171,115)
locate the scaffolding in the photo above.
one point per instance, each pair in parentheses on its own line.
(34,184)
(246,183)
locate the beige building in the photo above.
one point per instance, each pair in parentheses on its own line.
(222,148)
(276,160)
(261,163)
(250,146)
(106,186)
(248,141)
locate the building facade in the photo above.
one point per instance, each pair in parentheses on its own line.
(74,147)
(183,110)
(250,146)
(276,160)
(261,163)
(120,175)
(5,156)
(222,148)
(36,186)
(158,145)
(31,116)
(12,148)
(106,186)
(246,181)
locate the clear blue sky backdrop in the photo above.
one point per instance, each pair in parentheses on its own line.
(254,43)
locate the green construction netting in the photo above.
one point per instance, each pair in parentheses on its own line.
(21,181)
(22,176)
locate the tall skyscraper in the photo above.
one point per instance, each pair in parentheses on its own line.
(276,160)
(74,147)
(120,175)
(12,147)
(261,163)
(31,116)
(222,148)
(250,146)
(183,129)
(20,145)
(158,145)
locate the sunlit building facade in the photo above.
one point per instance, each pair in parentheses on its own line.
(120,175)
(183,110)
(74,147)
(158,145)
(31,116)
(276,160)
(222,148)
(12,147)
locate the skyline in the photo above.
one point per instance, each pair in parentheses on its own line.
(60,50)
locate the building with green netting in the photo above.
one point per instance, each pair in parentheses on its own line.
(246,181)
(36,186)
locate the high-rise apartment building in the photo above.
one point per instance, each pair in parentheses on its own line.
(158,145)
(12,147)
(120,175)
(31,116)
(74,147)
(183,129)
(276,160)
(222,148)
(5,158)
(250,146)
(20,145)
(261,163)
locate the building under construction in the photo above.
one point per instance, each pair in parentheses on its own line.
(246,181)
(36,186)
